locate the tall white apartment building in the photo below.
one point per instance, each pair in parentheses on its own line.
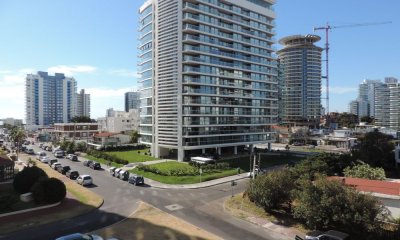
(83,104)
(394,101)
(49,99)
(300,83)
(208,75)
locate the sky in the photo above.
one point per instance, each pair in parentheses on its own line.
(95,41)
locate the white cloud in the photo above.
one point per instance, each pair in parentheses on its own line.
(2,72)
(124,73)
(70,70)
(340,90)
(107,92)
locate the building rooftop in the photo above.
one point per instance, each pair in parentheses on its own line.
(299,39)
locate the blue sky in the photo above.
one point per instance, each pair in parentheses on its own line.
(95,41)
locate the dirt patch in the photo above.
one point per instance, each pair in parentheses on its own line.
(149,222)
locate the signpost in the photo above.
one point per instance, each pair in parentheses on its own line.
(233,183)
(201,171)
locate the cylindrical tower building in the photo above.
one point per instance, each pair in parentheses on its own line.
(300,82)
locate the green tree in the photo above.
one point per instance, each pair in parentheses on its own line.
(272,191)
(17,136)
(81,119)
(376,149)
(25,179)
(326,204)
(348,120)
(367,119)
(81,147)
(365,171)
(309,168)
(71,147)
(49,190)
(134,137)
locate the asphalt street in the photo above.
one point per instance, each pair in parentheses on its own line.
(200,207)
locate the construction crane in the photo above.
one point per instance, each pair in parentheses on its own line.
(328,27)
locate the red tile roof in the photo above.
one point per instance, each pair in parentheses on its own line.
(366,185)
(105,134)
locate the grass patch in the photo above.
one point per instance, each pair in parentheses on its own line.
(166,166)
(266,161)
(103,161)
(133,156)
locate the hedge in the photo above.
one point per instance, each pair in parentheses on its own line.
(108,157)
(25,179)
(49,190)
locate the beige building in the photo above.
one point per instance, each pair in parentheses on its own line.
(75,131)
(120,121)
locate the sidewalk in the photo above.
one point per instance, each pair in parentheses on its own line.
(210,183)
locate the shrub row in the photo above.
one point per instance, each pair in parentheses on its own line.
(124,148)
(189,171)
(106,156)
(211,166)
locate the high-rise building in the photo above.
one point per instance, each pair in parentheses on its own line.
(301,80)
(382,106)
(131,101)
(83,104)
(49,99)
(394,100)
(208,75)
(353,107)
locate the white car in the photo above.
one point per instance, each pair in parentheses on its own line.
(59,154)
(55,165)
(84,180)
(40,154)
(69,156)
(44,159)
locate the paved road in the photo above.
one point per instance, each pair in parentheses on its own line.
(201,207)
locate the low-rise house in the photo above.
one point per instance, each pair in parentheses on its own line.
(108,139)
(75,131)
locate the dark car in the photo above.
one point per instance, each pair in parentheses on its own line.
(63,169)
(74,158)
(331,235)
(136,180)
(95,165)
(72,174)
(87,163)
(51,161)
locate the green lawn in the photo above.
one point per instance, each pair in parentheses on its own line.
(166,166)
(103,161)
(266,161)
(133,155)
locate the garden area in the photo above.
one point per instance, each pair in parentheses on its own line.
(121,157)
(189,173)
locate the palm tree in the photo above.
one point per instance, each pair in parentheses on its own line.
(17,136)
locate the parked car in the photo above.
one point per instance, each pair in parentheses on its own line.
(73,157)
(49,148)
(52,161)
(68,156)
(80,236)
(40,154)
(136,179)
(116,172)
(123,175)
(40,145)
(44,159)
(55,165)
(30,151)
(59,154)
(329,235)
(84,180)
(112,169)
(56,149)
(63,169)
(72,174)
(95,165)
(87,163)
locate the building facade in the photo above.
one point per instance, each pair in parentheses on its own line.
(132,101)
(12,121)
(301,80)
(208,75)
(75,131)
(120,121)
(49,99)
(394,102)
(83,104)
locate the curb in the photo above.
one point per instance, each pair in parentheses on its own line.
(29,210)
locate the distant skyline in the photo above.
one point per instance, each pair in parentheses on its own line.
(95,41)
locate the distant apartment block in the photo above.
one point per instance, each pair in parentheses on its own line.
(12,121)
(300,83)
(120,121)
(208,75)
(132,101)
(49,99)
(83,104)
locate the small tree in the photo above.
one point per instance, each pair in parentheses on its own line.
(272,191)
(134,137)
(309,168)
(365,171)
(25,179)
(49,190)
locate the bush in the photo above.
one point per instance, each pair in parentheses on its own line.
(6,202)
(49,190)
(25,179)
(365,171)
(272,191)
